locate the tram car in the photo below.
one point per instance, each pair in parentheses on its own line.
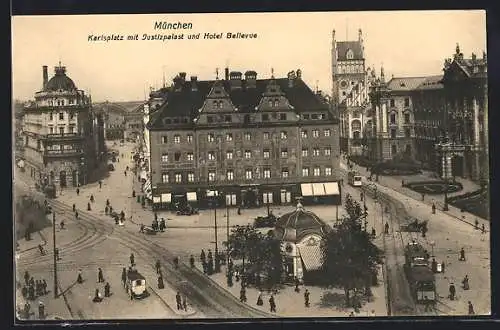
(136,285)
(420,277)
(354,179)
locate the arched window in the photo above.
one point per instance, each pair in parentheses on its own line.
(356,125)
(350,54)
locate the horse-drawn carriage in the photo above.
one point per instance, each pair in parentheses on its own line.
(414,226)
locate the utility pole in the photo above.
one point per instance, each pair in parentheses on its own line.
(217,264)
(56,293)
(227,234)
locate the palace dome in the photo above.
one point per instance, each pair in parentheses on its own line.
(294,226)
(60,81)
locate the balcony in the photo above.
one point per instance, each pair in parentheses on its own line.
(63,153)
(63,136)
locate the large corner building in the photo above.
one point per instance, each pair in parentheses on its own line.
(63,138)
(248,141)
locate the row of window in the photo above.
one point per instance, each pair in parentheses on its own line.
(392,118)
(52,130)
(248,136)
(394,132)
(248,154)
(61,116)
(392,102)
(60,102)
(249,174)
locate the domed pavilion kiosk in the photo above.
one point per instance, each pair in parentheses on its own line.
(301,233)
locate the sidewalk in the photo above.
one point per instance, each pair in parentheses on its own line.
(323,302)
(394,182)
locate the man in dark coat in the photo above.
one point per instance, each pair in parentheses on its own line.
(272,304)
(100,276)
(107,290)
(132,259)
(306,298)
(124,276)
(452,291)
(178,300)
(462,255)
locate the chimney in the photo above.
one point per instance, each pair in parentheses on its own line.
(226,73)
(45,75)
(299,74)
(291,78)
(194,85)
(251,79)
(235,80)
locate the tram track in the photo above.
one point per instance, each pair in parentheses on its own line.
(204,294)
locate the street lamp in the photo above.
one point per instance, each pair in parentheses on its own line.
(217,263)
(445,206)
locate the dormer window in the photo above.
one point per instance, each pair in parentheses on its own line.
(350,54)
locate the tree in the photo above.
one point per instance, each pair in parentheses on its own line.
(351,258)
(240,242)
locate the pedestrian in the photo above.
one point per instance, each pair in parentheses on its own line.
(423,197)
(107,202)
(125,173)
(141,229)
(31,292)
(41,310)
(91,198)
(306,298)
(178,300)
(452,291)
(471,308)
(465,283)
(297,283)
(191,261)
(205,267)
(100,184)
(132,259)
(88,207)
(184,303)
(97,296)
(433,208)
(106,210)
(243,294)
(76,215)
(74,207)
(100,276)
(107,290)
(78,191)
(27,309)
(272,304)
(442,267)
(176,262)
(209,255)
(161,285)
(482,229)
(124,276)
(426,304)
(202,255)
(361,196)
(386,228)
(44,287)
(42,251)
(27,278)
(239,210)
(79,278)
(462,255)
(434,265)
(157,266)
(110,209)
(260,302)
(476,224)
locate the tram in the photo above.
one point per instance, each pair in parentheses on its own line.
(420,277)
(354,179)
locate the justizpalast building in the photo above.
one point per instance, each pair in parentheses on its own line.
(249,141)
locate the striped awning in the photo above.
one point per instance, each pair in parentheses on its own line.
(166,198)
(191,197)
(320,189)
(147,189)
(306,189)
(311,256)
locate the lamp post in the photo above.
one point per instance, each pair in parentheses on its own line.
(217,263)
(445,205)
(56,293)
(227,234)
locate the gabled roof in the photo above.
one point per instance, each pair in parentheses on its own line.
(344,46)
(186,102)
(405,83)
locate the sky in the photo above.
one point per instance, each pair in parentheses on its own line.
(406,43)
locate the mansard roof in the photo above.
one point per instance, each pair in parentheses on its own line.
(186,100)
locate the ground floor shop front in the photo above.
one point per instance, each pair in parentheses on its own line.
(246,196)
